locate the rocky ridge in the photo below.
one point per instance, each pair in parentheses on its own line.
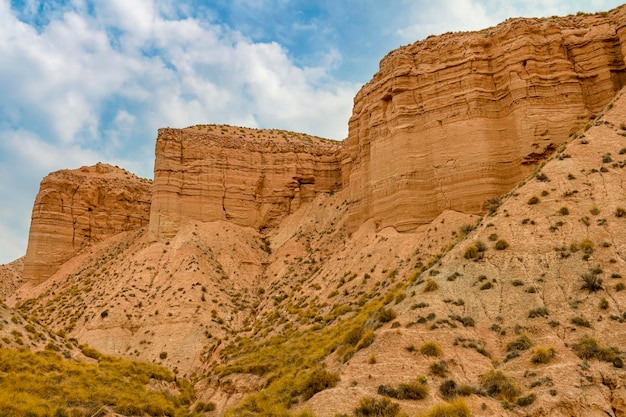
(465,116)
(77,208)
(251,177)
(229,294)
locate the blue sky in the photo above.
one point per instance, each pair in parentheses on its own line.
(84,81)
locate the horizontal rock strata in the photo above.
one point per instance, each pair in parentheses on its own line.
(449,122)
(76,208)
(248,176)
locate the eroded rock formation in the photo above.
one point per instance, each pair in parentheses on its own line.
(248,176)
(449,122)
(75,208)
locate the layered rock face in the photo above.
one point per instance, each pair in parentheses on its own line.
(449,122)
(76,208)
(248,176)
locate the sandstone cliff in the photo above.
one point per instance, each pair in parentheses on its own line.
(451,121)
(76,208)
(247,176)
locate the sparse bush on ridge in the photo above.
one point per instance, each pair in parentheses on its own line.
(497,385)
(475,251)
(410,391)
(431,285)
(456,408)
(430,349)
(374,407)
(589,348)
(501,244)
(522,342)
(319,380)
(543,354)
(591,282)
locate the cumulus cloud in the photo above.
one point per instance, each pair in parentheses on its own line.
(94,81)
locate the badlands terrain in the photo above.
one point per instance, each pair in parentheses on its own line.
(461,253)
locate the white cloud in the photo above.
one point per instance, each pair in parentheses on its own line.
(95,86)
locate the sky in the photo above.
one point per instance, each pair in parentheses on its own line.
(85,81)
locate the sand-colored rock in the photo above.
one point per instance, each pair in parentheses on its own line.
(247,176)
(76,208)
(240,260)
(11,277)
(454,120)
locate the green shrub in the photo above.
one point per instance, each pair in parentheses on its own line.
(366,339)
(439,368)
(163,355)
(470,252)
(542,355)
(589,348)
(537,312)
(533,200)
(591,282)
(410,391)
(579,321)
(317,381)
(448,389)
(497,385)
(493,204)
(431,285)
(620,212)
(501,244)
(204,407)
(386,314)
(374,407)
(564,211)
(430,349)
(587,246)
(457,408)
(527,400)
(604,303)
(523,342)
(90,352)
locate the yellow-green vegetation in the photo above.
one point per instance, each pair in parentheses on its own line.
(456,408)
(430,349)
(288,361)
(317,381)
(543,354)
(497,385)
(46,384)
(431,285)
(415,390)
(449,389)
(589,348)
(522,342)
(374,407)
(501,244)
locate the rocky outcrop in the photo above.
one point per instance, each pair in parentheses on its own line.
(247,176)
(449,122)
(76,208)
